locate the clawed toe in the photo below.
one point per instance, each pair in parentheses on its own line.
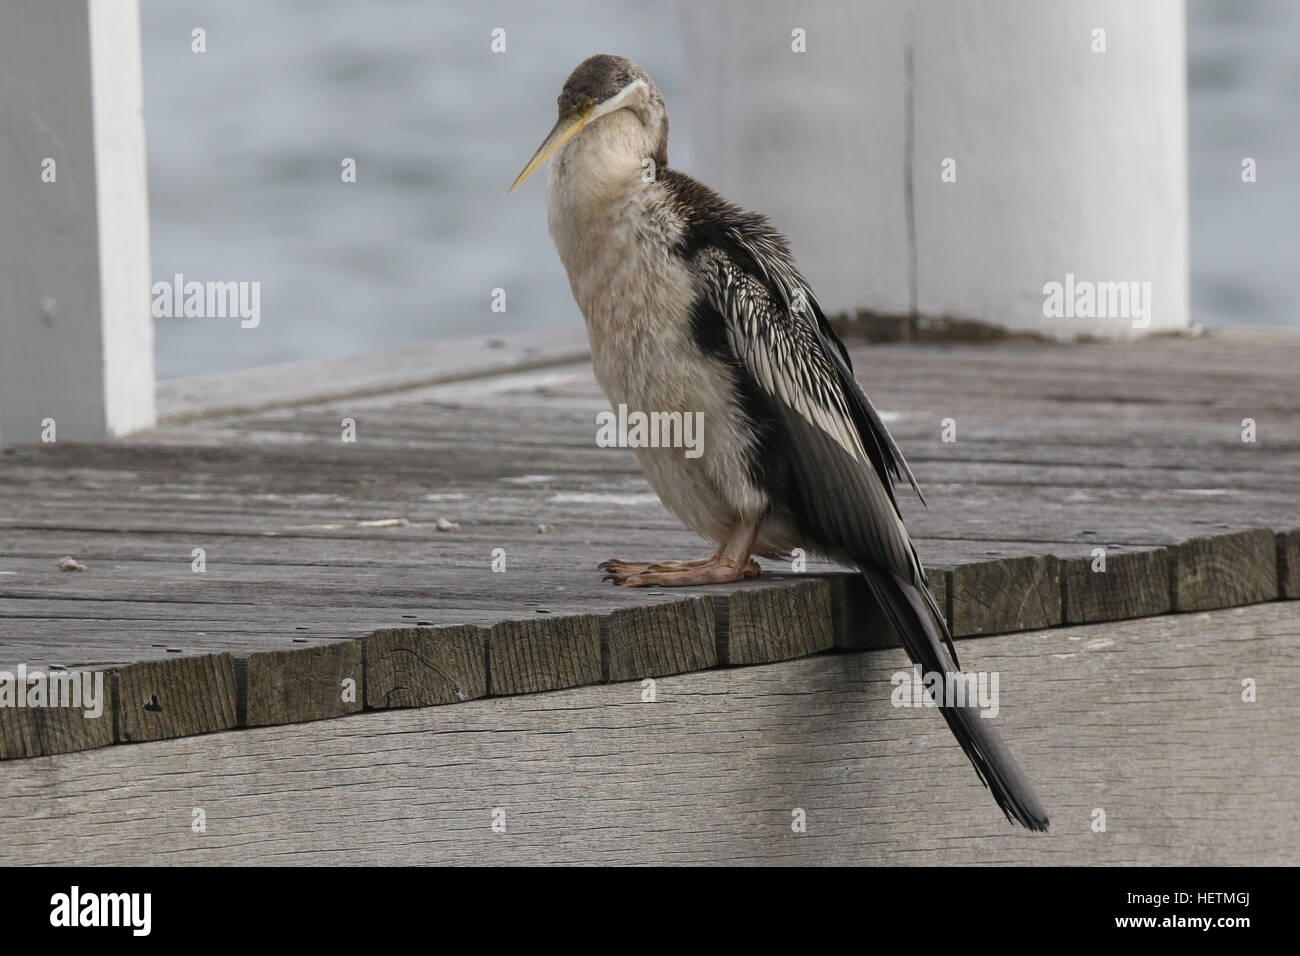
(616,566)
(719,572)
(715,569)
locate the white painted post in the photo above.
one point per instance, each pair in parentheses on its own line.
(76,333)
(815,139)
(1039,150)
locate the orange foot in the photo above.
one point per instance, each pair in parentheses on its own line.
(676,574)
(617,566)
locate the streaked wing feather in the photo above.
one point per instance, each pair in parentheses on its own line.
(770,256)
(839,489)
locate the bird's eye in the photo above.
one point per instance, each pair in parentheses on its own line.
(588,105)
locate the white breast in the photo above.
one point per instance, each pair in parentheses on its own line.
(617,237)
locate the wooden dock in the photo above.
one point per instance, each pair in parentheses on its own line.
(447,556)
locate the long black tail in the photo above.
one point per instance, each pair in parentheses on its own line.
(911,614)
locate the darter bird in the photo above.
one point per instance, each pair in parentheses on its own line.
(694,305)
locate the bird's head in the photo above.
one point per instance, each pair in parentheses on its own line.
(603,85)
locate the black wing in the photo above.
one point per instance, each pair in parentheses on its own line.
(835,464)
(727,241)
(834,472)
(838,456)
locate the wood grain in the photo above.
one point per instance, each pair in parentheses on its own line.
(175,698)
(1129,584)
(665,639)
(1224,571)
(758,625)
(1011,594)
(529,656)
(419,666)
(1142,719)
(313,541)
(374,373)
(1288,564)
(282,687)
(34,731)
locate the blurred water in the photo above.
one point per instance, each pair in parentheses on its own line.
(246,140)
(1243,79)
(245,144)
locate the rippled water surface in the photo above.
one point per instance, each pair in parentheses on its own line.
(246,140)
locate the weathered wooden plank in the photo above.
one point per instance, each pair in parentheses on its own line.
(308,535)
(275,562)
(306,683)
(1224,571)
(529,656)
(1142,518)
(859,623)
(940,581)
(1011,594)
(298,383)
(1128,584)
(175,698)
(1142,719)
(991,456)
(654,640)
(757,625)
(31,731)
(419,666)
(1288,564)
(862,626)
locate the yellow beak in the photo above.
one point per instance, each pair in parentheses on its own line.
(567,125)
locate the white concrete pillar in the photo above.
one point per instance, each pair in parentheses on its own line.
(76,333)
(955,159)
(815,139)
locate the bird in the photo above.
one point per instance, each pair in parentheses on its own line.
(694,305)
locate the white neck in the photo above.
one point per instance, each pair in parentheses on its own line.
(610,156)
(599,186)
(604,160)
